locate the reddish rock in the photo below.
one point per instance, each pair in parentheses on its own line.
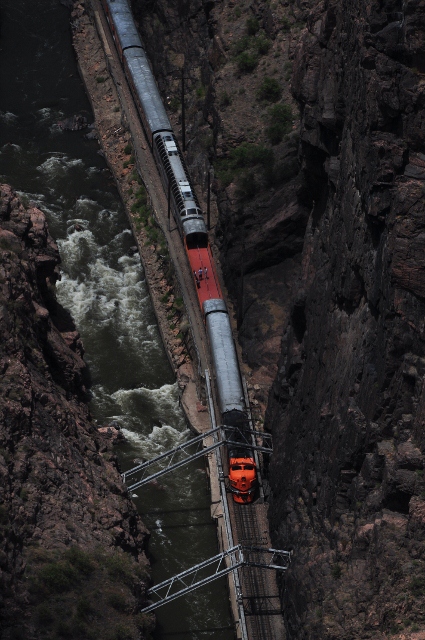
(65,516)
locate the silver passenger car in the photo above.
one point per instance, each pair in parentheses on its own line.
(145,92)
(123,23)
(228,381)
(185,204)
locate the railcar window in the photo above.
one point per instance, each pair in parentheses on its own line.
(249,467)
(191,212)
(236,467)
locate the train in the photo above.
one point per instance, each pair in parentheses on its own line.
(243,476)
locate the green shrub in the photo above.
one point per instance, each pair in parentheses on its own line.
(285,24)
(57,577)
(223,172)
(100,79)
(262,44)
(80,560)
(83,609)
(44,614)
(280,122)
(117,601)
(225,100)
(252,26)
(417,586)
(269,90)
(245,156)
(241,45)
(128,149)
(120,568)
(135,176)
(247,61)
(248,155)
(178,304)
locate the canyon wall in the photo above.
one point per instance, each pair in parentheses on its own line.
(72,560)
(347,408)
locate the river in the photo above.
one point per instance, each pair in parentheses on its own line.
(103,286)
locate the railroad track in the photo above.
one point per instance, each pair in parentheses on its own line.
(261,597)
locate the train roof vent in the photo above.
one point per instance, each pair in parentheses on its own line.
(186,190)
(171,147)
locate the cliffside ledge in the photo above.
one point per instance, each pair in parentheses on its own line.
(72,560)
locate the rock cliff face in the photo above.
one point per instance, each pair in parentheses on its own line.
(71,543)
(347,409)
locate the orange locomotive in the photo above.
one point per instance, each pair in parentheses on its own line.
(242,475)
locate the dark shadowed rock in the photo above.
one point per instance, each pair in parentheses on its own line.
(75,123)
(347,408)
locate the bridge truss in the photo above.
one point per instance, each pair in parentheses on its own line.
(214,568)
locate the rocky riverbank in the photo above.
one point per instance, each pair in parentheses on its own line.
(71,543)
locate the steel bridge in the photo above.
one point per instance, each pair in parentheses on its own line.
(220,565)
(221,436)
